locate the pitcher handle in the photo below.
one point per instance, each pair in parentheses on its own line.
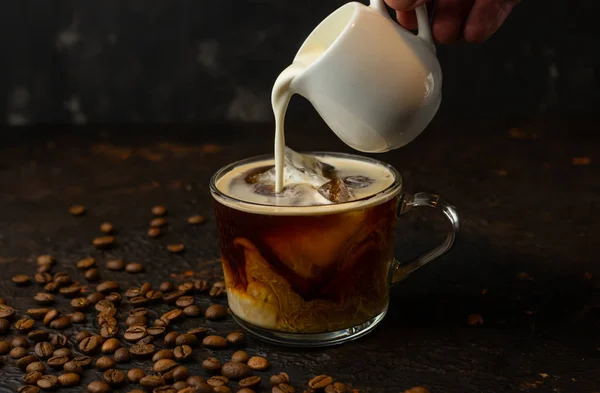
(423,199)
(423,22)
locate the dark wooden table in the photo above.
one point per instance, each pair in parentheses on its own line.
(526,207)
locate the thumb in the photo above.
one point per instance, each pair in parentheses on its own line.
(405,5)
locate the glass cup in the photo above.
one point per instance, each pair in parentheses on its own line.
(313,276)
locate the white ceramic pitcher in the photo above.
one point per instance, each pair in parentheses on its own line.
(376,85)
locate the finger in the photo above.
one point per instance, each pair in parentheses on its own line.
(486,17)
(405,5)
(408,19)
(450,17)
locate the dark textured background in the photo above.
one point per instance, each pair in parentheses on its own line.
(194,61)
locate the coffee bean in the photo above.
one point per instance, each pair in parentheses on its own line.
(154,296)
(175,248)
(214,342)
(258,363)
(114,297)
(60,323)
(106,227)
(186,339)
(4,325)
(159,210)
(172,297)
(91,275)
(98,387)
(90,344)
(122,355)
(86,263)
(179,385)
(171,338)
(63,352)
(245,390)
(106,315)
(44,269)
(173,315)
(70,291)
(73,367)
(21,279)
(236,338)
(104,363)
(84,361)
(164,389)
(135,333)
(320,382)
(337,387)
(78,317)
(216,312)
(283,388)
(25,361)
(24,325)
(183,353)
(59,340)
(47,382)
(199,332)
(103,305)
(186,287)
(132,292)
(28,389)
(156,331)
(211,364)
(44,350)
(36,366)
(50,316)
(80,303)
(69,379)
(142,350)
(154,232)
(19,341)
(222,389)
(57,362)
(250,382)
(158,222)
(135,374)
(46,260)
(166,286)
(217,380)
(114,377)
(138,301)
(195,380)
(37,313)
(201,285)
(52,286)
(111,345)
(109,331)
(77,210)
(236,371)
(146,340)
(103,242)
(4,347)
(80,336)
(107,286)
(43,278)
(216,291)
(180,373)
(134,267)
(164,365)
(18,352)
(195,220)
(62,278)
(150,382)
(41,298)
(184,301)
(162,322)
(32,377)
(474,320)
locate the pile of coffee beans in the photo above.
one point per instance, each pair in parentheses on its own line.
(53,352)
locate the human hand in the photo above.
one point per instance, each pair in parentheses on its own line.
(471,20)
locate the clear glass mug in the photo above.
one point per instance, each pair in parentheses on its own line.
(313,276)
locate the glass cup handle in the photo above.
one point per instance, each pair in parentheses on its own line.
(424,199)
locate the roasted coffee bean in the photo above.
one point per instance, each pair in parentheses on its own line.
(195,220)
(186,287)
(107,286)
(250,382)
(18,352)
(163,354)
(175,248)
(172,297)
(161,322)
(222,389)
(166,286)
(337,387)
(258,363)
(60,323)
(236,338)
(236,371)
(95,297)
(158,222)
(77,210)
(114,297)
(154,232)
(134,267)
(6,312)
(80,303)
(103,305)
(180,373)
(179,385)
(111,345)
(103,242)
(201,285)
(28,389)
(32,377)
(36,366)
(145,288)
(68,379)
(159,210)
(51,316)
(283,388)
(45,260)
(183,353)
(320,382)
(211,364)
(42,298)
(52,286)
(44,350)
(109,331)
(90,345)
(104,363)
(186,339)
(135,333)
(73,367)
(98,387)
(19,341)
(164,365)
(114,377)
(106,227)
(145,340)
(4,347)
(92,275)
(245,390)
(184,301)
(80,336)
(138,301)
(70,291)
(21,279)
(78,317)
(171,338)
(122,355)
(57,362)
(44,269)
(25,361)
(84,361)
(216,312)
(86,263)
(43,278)
(37,313)
(156,331)
(135,374)
(4,325)
(59,340)
(164,389)
(63,352)
(106,316)
(218,289)
(173,315)
(132,292)
(141,312)
(47,382)
(62,278)
(150,382)
(24,325)
(214,342)
(195,380)
(154,296)
(192,311)
(217,380)
(142,350)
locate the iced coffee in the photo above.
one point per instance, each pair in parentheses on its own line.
(315,257)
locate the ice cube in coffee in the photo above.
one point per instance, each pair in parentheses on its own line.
(306,260)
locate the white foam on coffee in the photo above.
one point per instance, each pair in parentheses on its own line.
(312,203)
